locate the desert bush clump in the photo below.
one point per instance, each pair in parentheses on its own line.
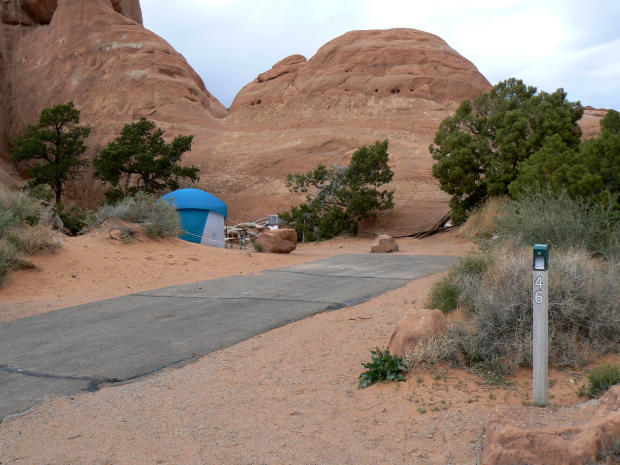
(437,349)
(74,219)
(481,223)
(601,378)
(32,239)
(383,366)
(445,295)
(542,216)
(583,296)
(159,218)
(583,306)
(448,294)
(21,232)
(16,208)
(9,257)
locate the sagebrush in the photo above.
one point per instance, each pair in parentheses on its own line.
(496,294)
(21,231)
(158,217)
(560,221)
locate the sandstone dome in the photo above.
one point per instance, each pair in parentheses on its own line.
(363,86)
(375,64)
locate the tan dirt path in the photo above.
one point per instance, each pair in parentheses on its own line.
(288,396)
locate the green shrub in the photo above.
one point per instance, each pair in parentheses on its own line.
(445,295)
(562,222)
(601,379)
(9,257)
(474,265)
(21,233)
(383,366)
(18,207)
(74,220)
(257,246)
(159,218)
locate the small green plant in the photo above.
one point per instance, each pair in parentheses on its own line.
(74,219)
(445,295)
(601,379)
(383,366)
(257,247)
(127,235)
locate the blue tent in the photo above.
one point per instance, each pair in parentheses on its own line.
(202,216)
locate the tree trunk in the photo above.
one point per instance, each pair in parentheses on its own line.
(58,191)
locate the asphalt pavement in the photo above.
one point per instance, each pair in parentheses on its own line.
(117,340)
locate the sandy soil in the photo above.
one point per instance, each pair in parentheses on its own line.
(94,267)
(288,396)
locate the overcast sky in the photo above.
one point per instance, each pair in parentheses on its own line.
(574,44)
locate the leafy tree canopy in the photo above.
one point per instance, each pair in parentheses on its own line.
(590,171)
(478,150)
(140,160)
(52,148)
(338,197)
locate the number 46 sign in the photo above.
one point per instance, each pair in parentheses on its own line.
(540,329)
(538,290)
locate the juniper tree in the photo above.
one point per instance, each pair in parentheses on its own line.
(52,149)
(140,160)
(478,150)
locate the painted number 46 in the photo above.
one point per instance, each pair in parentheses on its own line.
(538,295)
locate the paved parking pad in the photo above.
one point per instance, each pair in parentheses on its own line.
(116,340)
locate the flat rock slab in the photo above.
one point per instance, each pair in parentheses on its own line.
(124,338)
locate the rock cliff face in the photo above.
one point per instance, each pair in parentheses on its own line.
(98,54)
(370,64)
(363,86)
(590,122)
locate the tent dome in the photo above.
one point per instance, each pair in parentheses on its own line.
(196,199)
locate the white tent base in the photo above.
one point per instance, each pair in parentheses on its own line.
(213,233)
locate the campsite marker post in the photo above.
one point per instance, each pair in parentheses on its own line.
(540,336)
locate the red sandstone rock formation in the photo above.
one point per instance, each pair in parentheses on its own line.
(373,64)
(590,122)
(360,87)
(414,327)
(569,436)
(98,54)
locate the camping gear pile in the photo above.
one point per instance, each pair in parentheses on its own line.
(204,220)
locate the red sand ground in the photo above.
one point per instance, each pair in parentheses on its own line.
(288,396)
